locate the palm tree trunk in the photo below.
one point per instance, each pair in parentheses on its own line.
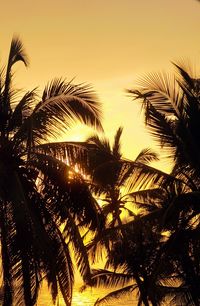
(142,290)
(26,279)
(7,298)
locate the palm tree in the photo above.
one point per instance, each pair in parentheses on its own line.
(147,259)
(118,183)
(114,177)
(172,113)
(130,266)
(38,192)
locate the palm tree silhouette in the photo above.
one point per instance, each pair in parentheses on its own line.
(158,267)
(39,192)
(114,177)
(172,113)
(118,183)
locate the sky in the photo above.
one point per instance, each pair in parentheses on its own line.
(109,44)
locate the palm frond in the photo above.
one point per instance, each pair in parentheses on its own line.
(16,54)
(80,101)
(185,76)
(162,129)
(147,194)
(99,143)
(172,112)
(149,199)
(2,79)
(116,145)
(188,176)
(140,176)
(106,174)
(146,156)
(65,190)
(72,233)
(22,110)
(100,244)
(58,112)
(115,295)
(61,276)
(106,278)
(73,153)
(177,296)
(161,91)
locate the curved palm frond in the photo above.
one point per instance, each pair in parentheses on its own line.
(71,232)
(58,112)
(69,151)
(116,145)
(146,156)
(140,176)
(161,91)
(17,53)
(106,278)
(148,199)
(22,111)
(115,295)
(76,102)
(101,243)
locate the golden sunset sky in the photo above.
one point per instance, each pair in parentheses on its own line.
(108,43)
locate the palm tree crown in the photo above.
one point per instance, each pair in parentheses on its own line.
(172,112)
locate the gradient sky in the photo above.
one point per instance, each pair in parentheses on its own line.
(108,43)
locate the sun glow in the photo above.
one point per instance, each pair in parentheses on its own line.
(87,297)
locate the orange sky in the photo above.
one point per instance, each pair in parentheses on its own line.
(108,43)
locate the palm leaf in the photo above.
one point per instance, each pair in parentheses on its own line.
(185,76)
(22,111)
(16,54)
(71,231)
(161,91)
(75,101)
(99,146)
(146,156)
(106,278)
(116,145)
(58,265)
(115,295)
(140,176)
(148,199)
(101,243)
(58,112)
(73,153)
(162,129)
